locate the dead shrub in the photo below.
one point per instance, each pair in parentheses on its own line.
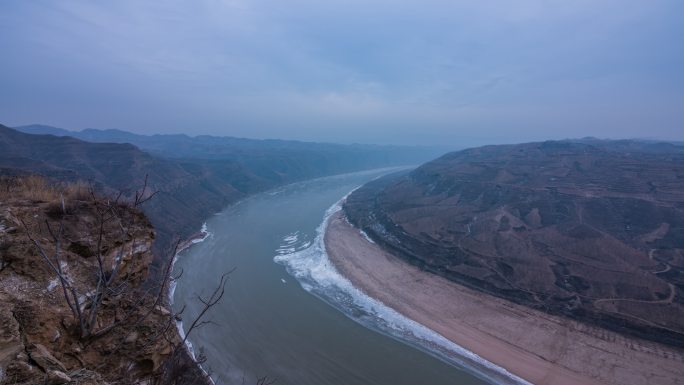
(37,188)
(40,189)
(77,191)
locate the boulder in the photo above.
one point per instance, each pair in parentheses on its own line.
(131,338)
(55,377)
(42,356)
(22,373)
(10,339)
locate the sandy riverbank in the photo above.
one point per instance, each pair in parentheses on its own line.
(539,348)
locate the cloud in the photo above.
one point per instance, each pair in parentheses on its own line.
(410,71)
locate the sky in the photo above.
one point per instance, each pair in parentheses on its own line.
(373,71)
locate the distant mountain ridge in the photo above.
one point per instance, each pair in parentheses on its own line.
(227,147)
(191,189)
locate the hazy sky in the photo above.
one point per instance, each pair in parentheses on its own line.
(392,71)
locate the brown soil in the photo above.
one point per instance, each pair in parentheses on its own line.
(40,341)
(590,230)
(541,348)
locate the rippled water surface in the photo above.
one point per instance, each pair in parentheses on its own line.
(269,324)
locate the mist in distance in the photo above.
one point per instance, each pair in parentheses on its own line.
(411,72)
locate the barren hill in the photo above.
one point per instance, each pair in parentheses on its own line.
(195,177)
(593,230)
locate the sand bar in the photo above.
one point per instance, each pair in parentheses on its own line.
(537,347)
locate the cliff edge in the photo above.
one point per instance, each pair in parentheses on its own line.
(75,306)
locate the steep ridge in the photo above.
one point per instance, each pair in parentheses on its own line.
(592,230)
(196,178)
(187,192)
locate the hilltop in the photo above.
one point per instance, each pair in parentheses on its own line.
(591,230)
(110,331)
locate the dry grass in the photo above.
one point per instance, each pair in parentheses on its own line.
(39,189)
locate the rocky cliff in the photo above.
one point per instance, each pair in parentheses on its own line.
(195,176)
(48,232)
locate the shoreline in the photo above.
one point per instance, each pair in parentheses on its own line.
(317,275)
(189,350)
(197,237)
(203,234)
(532,345)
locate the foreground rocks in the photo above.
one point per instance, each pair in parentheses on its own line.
(41,342)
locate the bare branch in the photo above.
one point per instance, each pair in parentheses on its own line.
(140,197)
(214,298)
(73,303)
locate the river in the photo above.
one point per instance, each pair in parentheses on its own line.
(271,324)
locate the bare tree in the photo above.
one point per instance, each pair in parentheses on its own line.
(208,303)
(85,303)
(181,367)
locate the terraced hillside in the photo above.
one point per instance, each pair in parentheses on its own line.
(593,230)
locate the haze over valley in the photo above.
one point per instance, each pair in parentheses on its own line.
(342,192)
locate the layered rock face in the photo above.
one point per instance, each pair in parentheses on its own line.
(41,339)
(592,230)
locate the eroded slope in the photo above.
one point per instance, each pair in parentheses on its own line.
(41,340)
(594,231)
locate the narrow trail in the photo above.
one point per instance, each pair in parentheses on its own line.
(667,265)
(668,300)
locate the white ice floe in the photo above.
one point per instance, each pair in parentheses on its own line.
(286,250)
(291,238)
(317,275)
(292,243)
(206,235)
(172,291)
(366,236)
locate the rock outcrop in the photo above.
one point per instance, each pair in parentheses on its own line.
(42,341)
